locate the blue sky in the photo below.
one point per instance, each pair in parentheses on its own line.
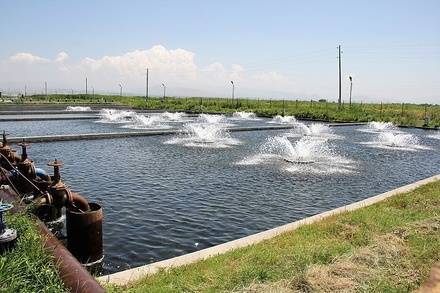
(282,48)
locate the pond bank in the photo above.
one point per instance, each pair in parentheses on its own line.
(340,249)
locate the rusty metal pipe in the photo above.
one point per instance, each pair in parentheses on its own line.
(84,234)
(40,201)
(75,277)
(46,210)
(78,201)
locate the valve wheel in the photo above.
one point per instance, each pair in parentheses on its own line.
(55,163)
(5,207)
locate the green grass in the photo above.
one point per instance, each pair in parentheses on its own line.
(386,247)
(401,114)
(28,267)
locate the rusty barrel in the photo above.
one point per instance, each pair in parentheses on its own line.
(84,234)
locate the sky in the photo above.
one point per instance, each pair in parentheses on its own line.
(270,49)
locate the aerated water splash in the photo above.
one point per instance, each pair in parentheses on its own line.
(78,109)
(214,119)
(315,130)
(396,141)
(435,135)
(207,135)
(283,119)
(377,127)
(306,155)
(381,125)
(133,120)
(302,151)
(173,117)
(244,116)
(140,121)
(115,116)
(210,118)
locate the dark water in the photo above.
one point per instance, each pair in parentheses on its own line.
(53,127)
(160,199)
(57,127)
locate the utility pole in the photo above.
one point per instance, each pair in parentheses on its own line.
(146,85)
(233,92)
(339,59)
(93,91)
(120,88)
(351,86)
(86,85)
(25,90)
(45,88)
(164,91)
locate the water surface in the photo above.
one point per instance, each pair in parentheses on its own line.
(161,199)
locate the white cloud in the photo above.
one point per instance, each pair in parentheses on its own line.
(271,78)
(28,58)
(61,57)
(175,67)
(158,59)
(178,69)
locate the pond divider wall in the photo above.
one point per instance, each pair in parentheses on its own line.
(109,135)
(21,119)
(131,275)
(89,136)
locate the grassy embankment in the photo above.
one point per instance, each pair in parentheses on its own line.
(387,247)
(28,267)
(401,114)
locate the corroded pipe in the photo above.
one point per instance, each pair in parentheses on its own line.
(75,277)
(84,234)
(45,209)
(43,200)
(48,207)
(78,202)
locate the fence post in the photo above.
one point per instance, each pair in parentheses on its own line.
(284,108)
